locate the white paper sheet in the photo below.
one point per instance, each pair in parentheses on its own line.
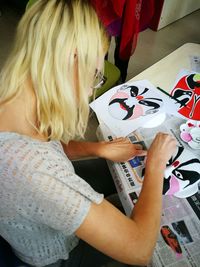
(129,106)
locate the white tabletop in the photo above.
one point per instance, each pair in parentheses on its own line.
(164,72)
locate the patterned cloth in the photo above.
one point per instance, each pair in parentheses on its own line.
(43,201)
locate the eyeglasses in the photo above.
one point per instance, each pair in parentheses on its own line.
(100,79)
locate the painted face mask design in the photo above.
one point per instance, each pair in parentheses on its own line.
(131,102)
(187,91)
(182,174)
(190,133)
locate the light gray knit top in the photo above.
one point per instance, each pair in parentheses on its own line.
(42,200)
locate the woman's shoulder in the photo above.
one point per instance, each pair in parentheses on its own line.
(26,149)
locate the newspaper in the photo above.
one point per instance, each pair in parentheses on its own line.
(179,240)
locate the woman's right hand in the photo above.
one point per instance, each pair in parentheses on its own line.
(113,230)
(161,150)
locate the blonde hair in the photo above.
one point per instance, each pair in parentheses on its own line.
(53,38)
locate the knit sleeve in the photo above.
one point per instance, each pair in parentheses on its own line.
(62,205)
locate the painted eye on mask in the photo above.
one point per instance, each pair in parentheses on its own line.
(179,175)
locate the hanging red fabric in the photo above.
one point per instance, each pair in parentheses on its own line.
(108,10)
(130,28)
(123,18)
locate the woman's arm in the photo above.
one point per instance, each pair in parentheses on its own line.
(118,150)
(132,240)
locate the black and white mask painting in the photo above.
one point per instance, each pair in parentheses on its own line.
(182,174)
(131,102)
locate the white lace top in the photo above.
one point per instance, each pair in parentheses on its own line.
(42,200)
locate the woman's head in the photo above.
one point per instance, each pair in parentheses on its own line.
(59,45)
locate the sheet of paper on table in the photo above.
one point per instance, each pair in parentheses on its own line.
(129,106)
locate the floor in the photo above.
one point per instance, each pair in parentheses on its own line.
(152,46)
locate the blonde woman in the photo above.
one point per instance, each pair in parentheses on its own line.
(45,207)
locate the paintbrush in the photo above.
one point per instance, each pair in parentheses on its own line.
(177,101)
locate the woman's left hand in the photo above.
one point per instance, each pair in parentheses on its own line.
(120,150)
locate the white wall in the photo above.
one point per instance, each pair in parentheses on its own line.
(176,9)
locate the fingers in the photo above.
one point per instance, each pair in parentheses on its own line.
(166,135)
(121,140)
(141,152)
(165,138)
(169,140)
(162,148)
(138,146)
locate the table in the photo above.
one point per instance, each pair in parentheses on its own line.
(163,73)
(180,216)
